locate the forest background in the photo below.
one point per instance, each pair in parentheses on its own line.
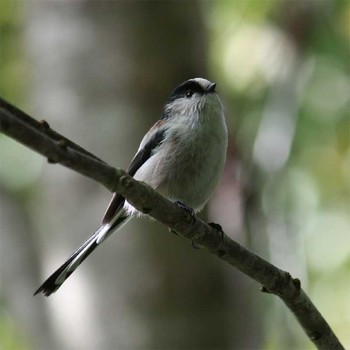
(99,73)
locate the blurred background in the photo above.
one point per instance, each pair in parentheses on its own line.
(99,73)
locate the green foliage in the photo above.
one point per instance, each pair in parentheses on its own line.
(10,336)
(13,66)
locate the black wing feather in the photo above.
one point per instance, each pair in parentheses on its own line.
(140,158)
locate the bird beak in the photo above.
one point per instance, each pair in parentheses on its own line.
(211,87)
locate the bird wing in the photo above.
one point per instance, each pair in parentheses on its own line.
(146,150)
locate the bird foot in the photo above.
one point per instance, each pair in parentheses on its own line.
(189,210)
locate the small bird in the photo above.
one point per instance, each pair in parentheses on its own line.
(182,157)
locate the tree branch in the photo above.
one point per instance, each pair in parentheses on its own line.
(58,149)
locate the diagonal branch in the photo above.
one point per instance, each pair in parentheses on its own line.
(58,149)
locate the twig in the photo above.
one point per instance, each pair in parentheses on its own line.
(59,149)
(20,118)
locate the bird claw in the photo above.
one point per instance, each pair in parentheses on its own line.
(189,210)
(217,228)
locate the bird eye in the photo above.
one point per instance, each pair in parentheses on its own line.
(189,93)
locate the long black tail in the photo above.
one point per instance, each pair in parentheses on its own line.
(62,273)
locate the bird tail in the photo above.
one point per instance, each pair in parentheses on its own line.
(62,273)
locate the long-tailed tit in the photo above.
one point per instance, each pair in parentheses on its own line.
(182,157)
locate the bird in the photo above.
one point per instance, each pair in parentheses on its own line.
(182,157)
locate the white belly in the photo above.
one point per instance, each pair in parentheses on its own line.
(188,172)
